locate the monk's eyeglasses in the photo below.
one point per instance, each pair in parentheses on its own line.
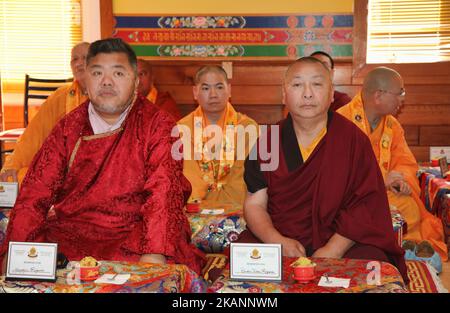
(402,92)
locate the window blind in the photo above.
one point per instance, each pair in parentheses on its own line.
(36,38)
(408,31)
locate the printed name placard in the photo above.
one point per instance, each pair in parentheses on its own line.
(251,261)
(439,152)
(32,261)
(443,165)
(8,194)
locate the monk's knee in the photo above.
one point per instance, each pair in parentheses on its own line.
(366,252)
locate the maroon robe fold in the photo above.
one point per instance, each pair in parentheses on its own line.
(115,196)
(165,102)
(339,100)
(339,189)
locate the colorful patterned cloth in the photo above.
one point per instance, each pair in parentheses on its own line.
(145,277)
(423,278)
(4,219)
(435,193)
(399,224)
(213,233)
(356,270)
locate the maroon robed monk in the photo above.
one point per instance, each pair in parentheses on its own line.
(326,197)
(104,183)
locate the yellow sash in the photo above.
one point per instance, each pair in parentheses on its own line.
(215,171)
(306,151)
(359,118)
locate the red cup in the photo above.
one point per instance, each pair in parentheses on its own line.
(434,162)
(88,273)
(304,272)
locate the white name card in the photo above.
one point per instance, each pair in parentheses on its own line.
(32,261)
(8,194)
(439,152)
(251,261)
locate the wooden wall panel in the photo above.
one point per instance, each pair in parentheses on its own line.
(262,114)
(425,95)
(425,115)
(422,153)
(411,135)
(434,135)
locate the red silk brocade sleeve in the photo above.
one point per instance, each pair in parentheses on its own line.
(166,229)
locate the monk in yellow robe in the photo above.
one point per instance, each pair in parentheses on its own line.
(162,100)
(57,105)
(219,178)
(372,111)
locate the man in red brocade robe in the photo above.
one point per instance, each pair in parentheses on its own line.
(104,183)
(326,197)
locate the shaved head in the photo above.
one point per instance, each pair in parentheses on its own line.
(309,60)
(78,61)
(382,92)
(144,64)
(381,78)
(208,69)
(81,44)
(145,75)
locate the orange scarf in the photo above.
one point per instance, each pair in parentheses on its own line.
(152,95)
(74,97)
(359,118)
(215,170)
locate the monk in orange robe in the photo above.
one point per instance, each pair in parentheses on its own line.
(162,100)
(104,183)
(220,179)
(372,111)
(57,105)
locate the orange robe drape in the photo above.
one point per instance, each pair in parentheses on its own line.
(57,105)
(393,154)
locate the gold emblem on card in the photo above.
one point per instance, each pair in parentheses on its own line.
(255,254)
(33,252)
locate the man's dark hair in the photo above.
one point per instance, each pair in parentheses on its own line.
(324,54)
(112,45)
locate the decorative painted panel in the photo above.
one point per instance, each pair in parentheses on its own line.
(236,37)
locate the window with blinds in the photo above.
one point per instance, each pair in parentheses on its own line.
(408,31)
(36,38)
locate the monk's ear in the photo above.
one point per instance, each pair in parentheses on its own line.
(229,90)
(195,92)
(332,93)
